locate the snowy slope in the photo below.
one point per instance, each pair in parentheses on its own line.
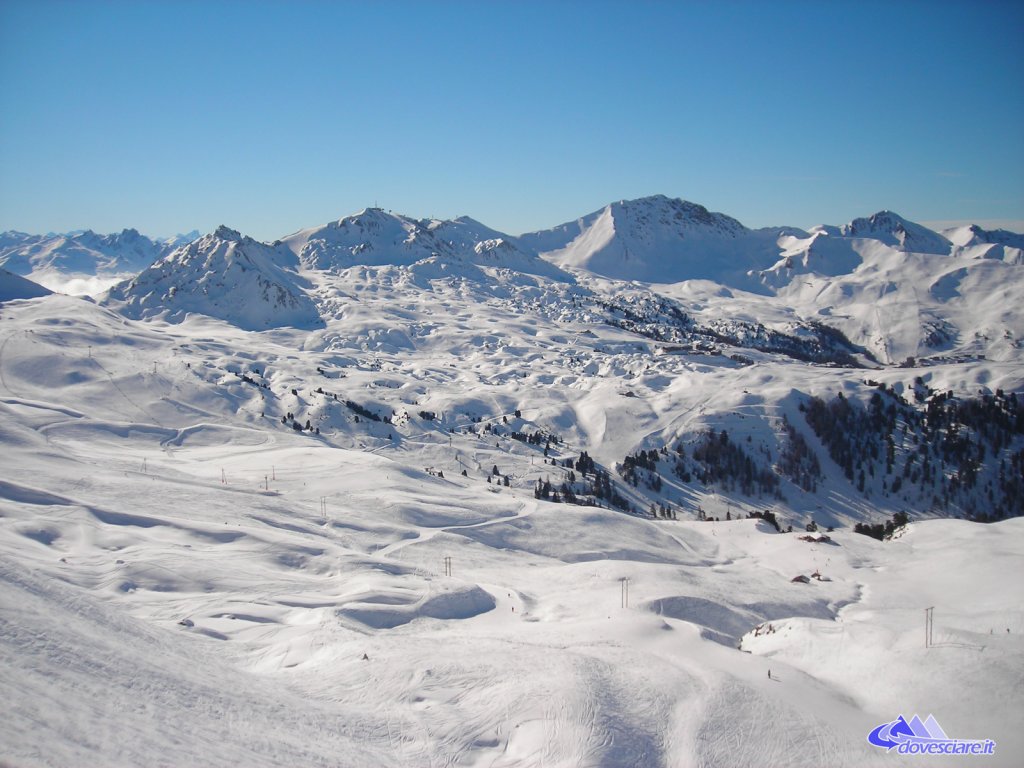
(902,304)
(186,580)
(223,275)
(974,630)
(14,286)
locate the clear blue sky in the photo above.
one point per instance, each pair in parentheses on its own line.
(270,117)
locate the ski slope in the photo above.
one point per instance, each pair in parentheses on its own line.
(186,580)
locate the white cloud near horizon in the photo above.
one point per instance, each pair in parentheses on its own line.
(77,285)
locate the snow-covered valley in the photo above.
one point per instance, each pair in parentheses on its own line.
(308,502)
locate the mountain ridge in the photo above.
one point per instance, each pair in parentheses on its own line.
(83,261)
(225,275)
(651,239)
(859,279)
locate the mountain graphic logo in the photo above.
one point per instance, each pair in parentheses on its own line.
(917,737)
(892,734)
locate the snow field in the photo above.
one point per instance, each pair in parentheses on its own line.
(524,655)
(186,580)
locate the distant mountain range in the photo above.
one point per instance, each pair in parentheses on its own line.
(895,288)
(54,258)
(653,239)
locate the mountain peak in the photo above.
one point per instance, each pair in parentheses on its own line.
(224,232)
(673,213)
(654,239)
(225,275)
(882,221)
(367,215)
(898,232)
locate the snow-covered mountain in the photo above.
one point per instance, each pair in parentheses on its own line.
(893,287)
(356,496)
(82,260)
(940,301)
(176,241)
(374,237)
(223,275)
(85,253)
(660,240)
(895,231)
(973,242)
(378,283)
(14,286)
(972,234)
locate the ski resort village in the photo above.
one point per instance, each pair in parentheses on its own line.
(647,488)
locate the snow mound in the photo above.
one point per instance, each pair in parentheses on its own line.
(543,534)
(393,608)
(726,622)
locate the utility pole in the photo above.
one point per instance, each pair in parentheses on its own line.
(928,617)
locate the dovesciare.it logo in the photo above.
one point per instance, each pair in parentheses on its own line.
(914,737)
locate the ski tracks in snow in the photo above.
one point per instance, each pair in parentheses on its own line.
(745,726)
